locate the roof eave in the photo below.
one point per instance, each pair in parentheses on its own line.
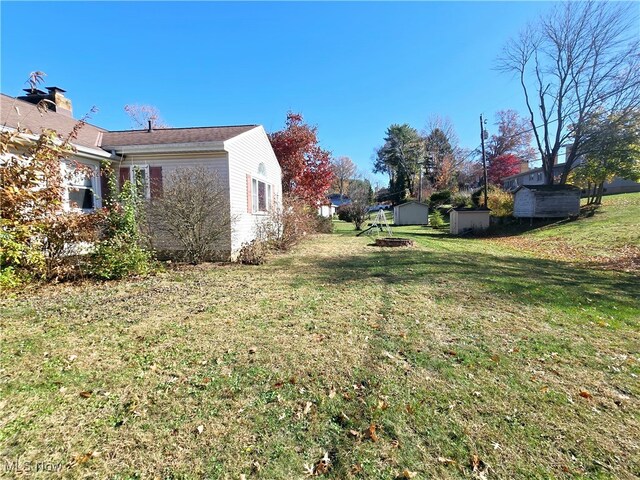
(167,148)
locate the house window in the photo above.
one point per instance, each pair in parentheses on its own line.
(531,176)
(81,190)
(539,175)
(262,170)
(139,178)
(261,196)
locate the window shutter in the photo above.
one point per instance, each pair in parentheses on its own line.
(155,177)
(105,193)
(249,196)
(123,176)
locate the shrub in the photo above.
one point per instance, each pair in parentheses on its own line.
(253,253)
(499,201)
(437,220)
(286,226)
(120,256)
(440,198)
(324,224)
(461,199)
(194,211)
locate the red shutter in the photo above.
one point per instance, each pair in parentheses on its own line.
(123,176)
(249,196)
(155,177)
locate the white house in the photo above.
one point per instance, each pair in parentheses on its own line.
(240,155)
(411,213)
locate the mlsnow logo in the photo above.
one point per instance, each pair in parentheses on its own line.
(17,465)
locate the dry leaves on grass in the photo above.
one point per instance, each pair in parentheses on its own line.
(585,394)
(321,467)
(371,433)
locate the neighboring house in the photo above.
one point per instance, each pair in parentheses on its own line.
(327,208)
(411,213)
(338,200)
(240,155)
(536,176)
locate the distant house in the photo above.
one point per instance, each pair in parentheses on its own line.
(546,201)
(536,176)
(327,208)
(338,200)
(241,156)
(411,213)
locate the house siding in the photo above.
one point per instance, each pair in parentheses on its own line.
(246,152)
(216,162)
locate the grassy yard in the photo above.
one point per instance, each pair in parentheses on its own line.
(455,358)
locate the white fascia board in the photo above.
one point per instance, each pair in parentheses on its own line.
(167,148)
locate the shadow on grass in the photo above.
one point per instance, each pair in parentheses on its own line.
(518,280)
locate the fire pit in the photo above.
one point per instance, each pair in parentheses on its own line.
(394,242)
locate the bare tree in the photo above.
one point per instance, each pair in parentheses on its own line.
(193,211)
(343,170)
(514,136)
(581,57)
(141,115)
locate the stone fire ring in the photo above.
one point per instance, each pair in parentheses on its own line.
(394,242)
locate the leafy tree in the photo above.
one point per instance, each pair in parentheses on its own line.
(580,58)
(514,137)
(502,166)
(343,171)
(612,149)
(401,157)
(306,167)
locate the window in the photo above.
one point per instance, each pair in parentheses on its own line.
(260,196)
(139,178)
(539,175)
(262,170)
(81,190)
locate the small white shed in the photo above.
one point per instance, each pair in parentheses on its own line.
(462,220)
(411,213)
(546,201)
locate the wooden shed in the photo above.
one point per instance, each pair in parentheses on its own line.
(411,213)
(546,201)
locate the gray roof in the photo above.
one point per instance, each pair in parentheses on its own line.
(16,113)
(162,136)
(548,188)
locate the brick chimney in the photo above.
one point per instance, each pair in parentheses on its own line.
(55,99)
(524,166)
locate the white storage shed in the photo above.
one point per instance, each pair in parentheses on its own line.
(411,213)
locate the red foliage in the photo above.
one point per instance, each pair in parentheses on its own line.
(502,166)
(306,168)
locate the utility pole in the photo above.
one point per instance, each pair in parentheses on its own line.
(484,160)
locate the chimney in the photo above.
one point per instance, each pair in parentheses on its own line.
(55,99)
(524,166)
(150,127)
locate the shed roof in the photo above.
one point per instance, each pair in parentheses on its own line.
(548,188)
(414,202)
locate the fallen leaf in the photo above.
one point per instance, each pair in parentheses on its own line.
(356,468)
(323,465)
(585,394)
(200,429)
(406,473)
(71,358)
(253,350)
(85,394)
(355,433)
(307,408)
(332,392)
(243,476)
(495,358)
(382,405)
(371,433)
(446,461)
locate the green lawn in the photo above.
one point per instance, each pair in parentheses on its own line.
(451,359)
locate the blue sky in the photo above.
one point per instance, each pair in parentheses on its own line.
(352,69)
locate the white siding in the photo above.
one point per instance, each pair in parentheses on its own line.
(523,203)
(246,152)
(216,162)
